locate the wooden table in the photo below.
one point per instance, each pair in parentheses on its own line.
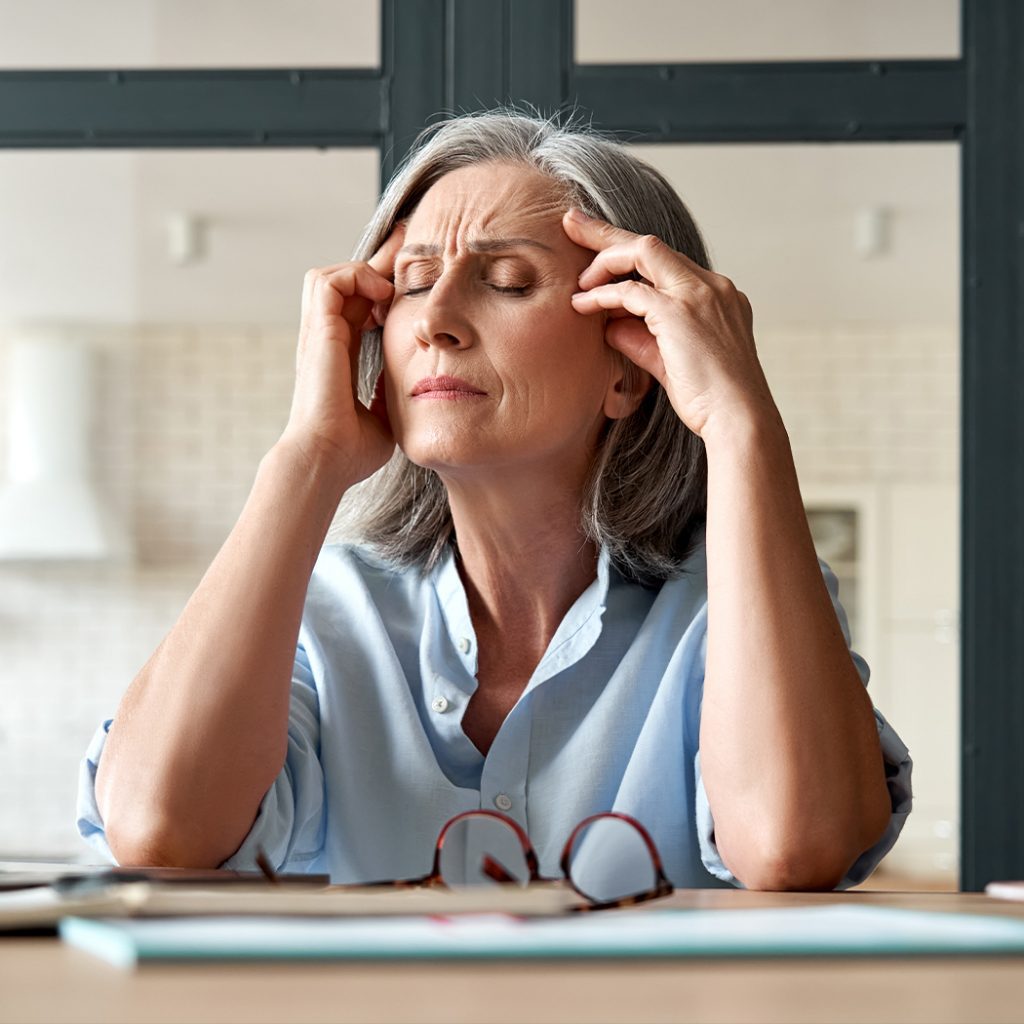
(42,980)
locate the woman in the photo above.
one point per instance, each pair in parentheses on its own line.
(534,616)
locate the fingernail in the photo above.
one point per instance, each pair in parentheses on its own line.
(577,214)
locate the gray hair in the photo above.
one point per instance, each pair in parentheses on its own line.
(646,497)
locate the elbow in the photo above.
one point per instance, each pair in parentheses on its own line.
(801,863)
(156,825)
(148,841)
(153,837)
(138,831)
(794,850)
(804,870)
(152,833)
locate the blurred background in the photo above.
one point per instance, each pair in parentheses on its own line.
(149,301)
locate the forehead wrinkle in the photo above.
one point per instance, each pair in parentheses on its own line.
(451,212)
(478,245)
(525,204)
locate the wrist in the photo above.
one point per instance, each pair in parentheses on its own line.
(313,463)
(745,425)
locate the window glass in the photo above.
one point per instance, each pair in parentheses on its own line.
(850,258)
(189,33)
(160,291)
(749,30)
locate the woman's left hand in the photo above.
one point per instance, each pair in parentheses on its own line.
(691,329)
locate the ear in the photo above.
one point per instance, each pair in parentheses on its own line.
(627,386)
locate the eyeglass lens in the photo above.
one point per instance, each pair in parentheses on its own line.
(482,850)
(609,860)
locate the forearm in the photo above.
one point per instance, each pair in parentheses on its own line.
(790,755)
(201,733)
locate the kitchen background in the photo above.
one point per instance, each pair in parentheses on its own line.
(175,278)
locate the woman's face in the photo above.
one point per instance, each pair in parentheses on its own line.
(487,364)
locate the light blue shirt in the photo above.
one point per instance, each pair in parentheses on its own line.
(377,759)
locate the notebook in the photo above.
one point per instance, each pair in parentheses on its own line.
(832,930)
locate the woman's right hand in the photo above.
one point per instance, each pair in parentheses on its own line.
(328,423)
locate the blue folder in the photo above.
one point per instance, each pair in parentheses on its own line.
(832,930)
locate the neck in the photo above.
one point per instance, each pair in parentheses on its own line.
(523,557)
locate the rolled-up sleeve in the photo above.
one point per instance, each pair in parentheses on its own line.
(898,767)
(89,820)
(289,826)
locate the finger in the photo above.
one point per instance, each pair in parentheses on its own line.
(383,260)
(592,232)
(627,251)
(329,306)
(333,269)
(308,285)
(359,279)
(646,255)
(349,293)
(635,297)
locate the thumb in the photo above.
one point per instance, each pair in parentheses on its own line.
(630,336)
(379,405)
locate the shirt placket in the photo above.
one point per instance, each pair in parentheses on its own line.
(448,667)
(505,776)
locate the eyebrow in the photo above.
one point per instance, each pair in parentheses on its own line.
(483,245)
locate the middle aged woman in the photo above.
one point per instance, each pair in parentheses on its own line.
(583,581)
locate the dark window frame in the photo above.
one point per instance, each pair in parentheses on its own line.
(443,55)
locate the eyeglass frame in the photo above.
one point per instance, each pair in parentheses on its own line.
(490,867)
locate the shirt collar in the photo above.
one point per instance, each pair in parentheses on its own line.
(575,635)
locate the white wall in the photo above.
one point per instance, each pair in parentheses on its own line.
(84,239)
(189,33)
(727,30)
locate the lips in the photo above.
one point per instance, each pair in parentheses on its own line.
(445,386)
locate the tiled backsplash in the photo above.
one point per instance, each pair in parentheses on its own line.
(868,405)
(181,421)
(183,418)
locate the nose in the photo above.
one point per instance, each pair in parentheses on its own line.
(442,322)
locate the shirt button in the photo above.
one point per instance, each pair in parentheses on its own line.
(464,644)
(439,704)
(503,802)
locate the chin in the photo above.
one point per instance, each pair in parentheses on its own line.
(442,452)
(443,463)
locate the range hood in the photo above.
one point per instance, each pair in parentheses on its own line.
(49,507)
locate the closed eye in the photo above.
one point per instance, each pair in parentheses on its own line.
(505,289)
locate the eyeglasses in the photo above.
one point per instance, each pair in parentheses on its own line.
(609,859)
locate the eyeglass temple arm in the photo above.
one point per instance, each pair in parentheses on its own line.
(495,870)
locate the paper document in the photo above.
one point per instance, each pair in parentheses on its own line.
(802,931)
(1005,890)
(38,907)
